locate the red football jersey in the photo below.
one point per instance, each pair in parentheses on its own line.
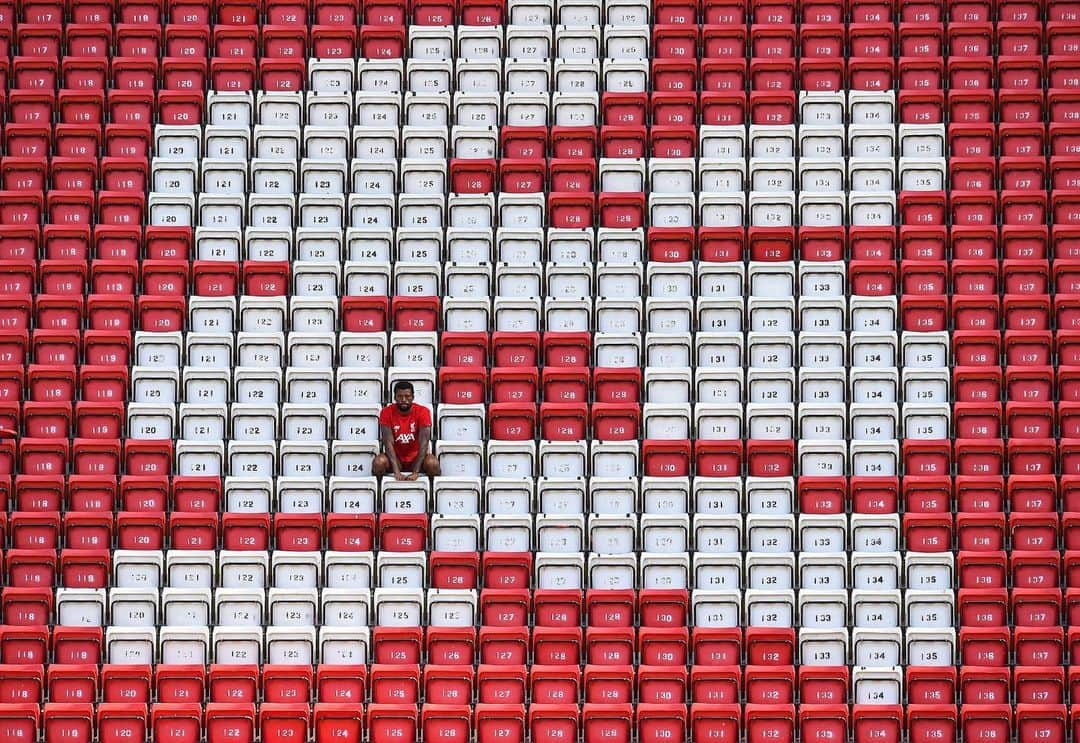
(405,428)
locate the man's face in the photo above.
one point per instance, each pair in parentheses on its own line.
(403,400)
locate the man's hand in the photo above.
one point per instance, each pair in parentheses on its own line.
(400,476)
(412,476)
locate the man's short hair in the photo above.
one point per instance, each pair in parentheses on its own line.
(402,385)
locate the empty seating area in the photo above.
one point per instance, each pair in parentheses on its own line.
(750,331)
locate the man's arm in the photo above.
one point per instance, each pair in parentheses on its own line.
(387,437)
(423,440)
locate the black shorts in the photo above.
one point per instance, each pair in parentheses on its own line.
(408,466)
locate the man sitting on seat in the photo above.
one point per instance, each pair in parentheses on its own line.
(405,433)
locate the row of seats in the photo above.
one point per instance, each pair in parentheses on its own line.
(986,647)
(565,177)
(83,563)
(666,176)
(179,723)
(366,308)
(433,213)
(977,568)
(821,311)
(710,245)
(84,494)
(548,684)
(771,66)
(530,68)
(128,107)
(295,13)
(524,87)
(871,135)
(618,140)
(719,250)
(443,684)
(621,23)
(129,138)
(717,648)
(532,211)
(1020,494)
(510,456)
(560,531)
(141,571)
(335,607)
(764,75)
(821,568)
(56,317)
(225,397)
(276,722)
(427,134)
(717,450)
(203,37)
(332,103)
(228,132)
(559,422)
(972,82)
(418,349)
(670,458)
(622,184)
(302,644)
(504,384)
(560,521)
(978,345)
(170,250)
(712,175)
(231,216)
(561,534)
(32,560)
(559,506)
(710,302)
(416,282)
(52,391)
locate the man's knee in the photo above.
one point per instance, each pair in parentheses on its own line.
(431,466)
(380,465)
